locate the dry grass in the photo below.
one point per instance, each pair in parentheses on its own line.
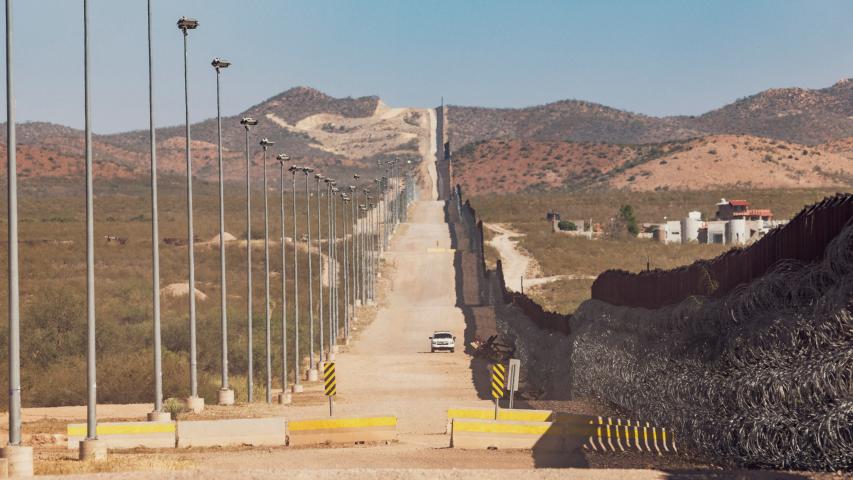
(53,291)
(65,463)
(564,255)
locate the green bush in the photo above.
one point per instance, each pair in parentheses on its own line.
(567,226)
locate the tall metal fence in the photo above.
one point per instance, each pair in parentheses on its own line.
(803,239)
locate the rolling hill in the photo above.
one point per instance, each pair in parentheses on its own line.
(330,133)
(797,115)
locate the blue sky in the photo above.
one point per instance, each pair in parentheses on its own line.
(658,57)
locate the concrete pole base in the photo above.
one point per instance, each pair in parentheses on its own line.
(93,450)
(284,398)
(19,460)
(313,375)
(297,388)
(345,341)
(195,404)
(157,416)
(358,303)
(336,349)
(225,396)
(330,357)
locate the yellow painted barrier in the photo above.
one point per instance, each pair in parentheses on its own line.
(342,430)
(126,434)
(526,435)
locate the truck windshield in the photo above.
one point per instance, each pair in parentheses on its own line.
(442,335)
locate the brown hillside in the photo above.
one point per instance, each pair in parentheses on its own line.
(795,115)
(501,166)
(509,166)
(726,160)
(332,134)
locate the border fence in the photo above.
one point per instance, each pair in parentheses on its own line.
(804,239)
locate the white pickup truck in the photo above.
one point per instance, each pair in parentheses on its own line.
(442,341)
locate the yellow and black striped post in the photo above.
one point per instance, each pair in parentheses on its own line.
(330,384)
(498,382)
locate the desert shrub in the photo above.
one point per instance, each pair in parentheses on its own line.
(567,226)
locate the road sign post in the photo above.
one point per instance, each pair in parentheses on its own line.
(512,381)
(498,382)
(330,385)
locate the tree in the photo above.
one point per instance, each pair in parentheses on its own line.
(626,215)
(567,226)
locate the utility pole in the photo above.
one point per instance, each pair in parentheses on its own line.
(250,372)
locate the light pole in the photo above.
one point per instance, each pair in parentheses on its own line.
(250,373)
(285,396)
(297,386)
(267,336)
(336,292)
(356,244)
(19,457)
(347,258)
(331,261)
(312,367)
(194,402)
(158,414)
(90,447)
(226,394)
(319,178)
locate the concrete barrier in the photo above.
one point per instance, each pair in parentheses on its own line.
(123,435)
(516,414)
(342,430)
(230,432)
(510,434)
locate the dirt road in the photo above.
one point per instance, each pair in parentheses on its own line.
(517,263)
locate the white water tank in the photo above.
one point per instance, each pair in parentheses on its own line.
(736,232)
(690,229)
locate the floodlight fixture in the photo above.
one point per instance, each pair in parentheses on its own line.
(219,63)
(186,23)
(283,157)
(248,122)
(266,143)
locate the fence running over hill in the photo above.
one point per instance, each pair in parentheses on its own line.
(805,239)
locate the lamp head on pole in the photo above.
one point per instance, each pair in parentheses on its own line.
(186,23)
(219,64)
(248,122)
(283,157)
(307,170)
(266,143)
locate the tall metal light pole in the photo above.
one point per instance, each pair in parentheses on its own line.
(158,414)
(226,394)
(356,244)
(90,447)
(297,386)
(250,372)
(312,367)
(267,314)
(194,402)
(19,457)
(347,258)
(319,178)
(330,260)
(335,292)
(285,395)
